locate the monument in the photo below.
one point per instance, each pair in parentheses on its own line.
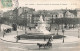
(42,26)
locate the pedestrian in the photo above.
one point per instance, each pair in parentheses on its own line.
(4,33)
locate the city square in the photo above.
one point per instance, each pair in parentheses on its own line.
(39,26)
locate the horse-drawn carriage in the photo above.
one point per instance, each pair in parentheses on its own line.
(44,45)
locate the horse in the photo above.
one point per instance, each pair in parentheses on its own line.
(41,45)
(44,45)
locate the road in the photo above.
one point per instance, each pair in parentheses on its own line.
(8,46)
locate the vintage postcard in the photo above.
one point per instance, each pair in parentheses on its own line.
(39,25)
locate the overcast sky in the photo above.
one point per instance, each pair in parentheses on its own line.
(48,4)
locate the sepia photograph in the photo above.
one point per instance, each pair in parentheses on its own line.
(39,25)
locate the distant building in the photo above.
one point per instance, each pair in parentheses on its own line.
(48,15)
(70,13)
(21,10)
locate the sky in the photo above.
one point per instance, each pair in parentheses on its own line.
(47,4)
